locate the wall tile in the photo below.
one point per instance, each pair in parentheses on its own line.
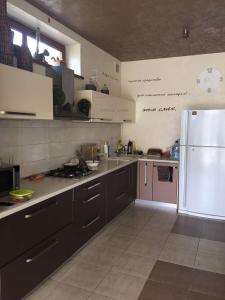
(42,145)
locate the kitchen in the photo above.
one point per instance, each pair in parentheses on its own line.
(115,233)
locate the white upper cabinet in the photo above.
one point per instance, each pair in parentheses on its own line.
(25,95)
(125,110)
(107,108)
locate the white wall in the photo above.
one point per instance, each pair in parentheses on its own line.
(92,58)
(145,80)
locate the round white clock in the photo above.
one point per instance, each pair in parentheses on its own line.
(209,80)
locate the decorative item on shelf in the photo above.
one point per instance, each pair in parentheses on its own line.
(84,106)
(58,99)
(24,57)
(90,86)
(93,83)
(105,89)
(6,36)
(57,61)
(41,56)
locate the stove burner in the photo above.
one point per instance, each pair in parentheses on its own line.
(77,172)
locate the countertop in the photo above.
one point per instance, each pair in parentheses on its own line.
(51,186)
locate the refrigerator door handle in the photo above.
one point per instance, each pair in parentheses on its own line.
(184,128)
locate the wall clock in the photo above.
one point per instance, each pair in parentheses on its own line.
(209,80)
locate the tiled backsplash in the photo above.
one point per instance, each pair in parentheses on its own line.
(42,145)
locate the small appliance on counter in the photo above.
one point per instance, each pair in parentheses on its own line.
(9,178)
(154,152)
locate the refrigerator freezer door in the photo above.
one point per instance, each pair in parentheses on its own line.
(205,189)
(206,128)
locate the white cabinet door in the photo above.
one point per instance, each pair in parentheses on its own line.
(107,108)
(25,95)
(103,108)
(125,110)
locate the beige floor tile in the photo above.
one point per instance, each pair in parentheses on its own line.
(85,276)
(180,257)
(128,230)
(120,241)
(210,262)
(154,233)
(60,273)
(149,248)
(121,286)
(96,296)
(136,265)
(57,291)
(182,242)
(42,291)
(101,256)
(212,247)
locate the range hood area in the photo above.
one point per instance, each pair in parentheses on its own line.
(63,78)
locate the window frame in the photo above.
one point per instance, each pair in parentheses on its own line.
(27,31)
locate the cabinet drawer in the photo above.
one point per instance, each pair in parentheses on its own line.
(32,225)
(23,274)
(119,182)
(91,207)
(89,190)
(89,227)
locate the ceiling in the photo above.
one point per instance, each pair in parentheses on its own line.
(144,29)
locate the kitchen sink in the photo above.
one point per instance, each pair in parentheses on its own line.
(121,158)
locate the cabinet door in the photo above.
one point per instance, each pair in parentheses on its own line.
(25,95)
(103,108)
(20,276)
(32,225)
(125,110)
(133,182)
(165,182)
(118,196)
(145,180)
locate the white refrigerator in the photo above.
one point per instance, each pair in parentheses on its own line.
(202,163)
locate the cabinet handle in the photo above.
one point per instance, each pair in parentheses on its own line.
(146,165)
(122,172)
(93,186)
(105,119)
(17,113)
(29,216)
(92,222)
(30,260)
(91,199)
(127,120)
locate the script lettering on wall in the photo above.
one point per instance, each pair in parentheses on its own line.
(159,109)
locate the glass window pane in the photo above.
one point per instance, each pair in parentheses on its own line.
(42,46)
(17,38)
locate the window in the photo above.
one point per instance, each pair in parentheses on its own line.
(54,48)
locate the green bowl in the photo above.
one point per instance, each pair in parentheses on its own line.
(21,193)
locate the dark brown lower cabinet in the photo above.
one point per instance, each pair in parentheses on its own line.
(121,190)
(37,240)
(24,229)
(20,276)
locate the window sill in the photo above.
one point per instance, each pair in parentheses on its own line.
(47,65)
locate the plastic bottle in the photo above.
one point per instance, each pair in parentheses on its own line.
(129,147)
(106,149)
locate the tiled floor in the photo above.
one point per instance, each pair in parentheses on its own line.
(145,253)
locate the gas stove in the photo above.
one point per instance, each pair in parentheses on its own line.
(76,172)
